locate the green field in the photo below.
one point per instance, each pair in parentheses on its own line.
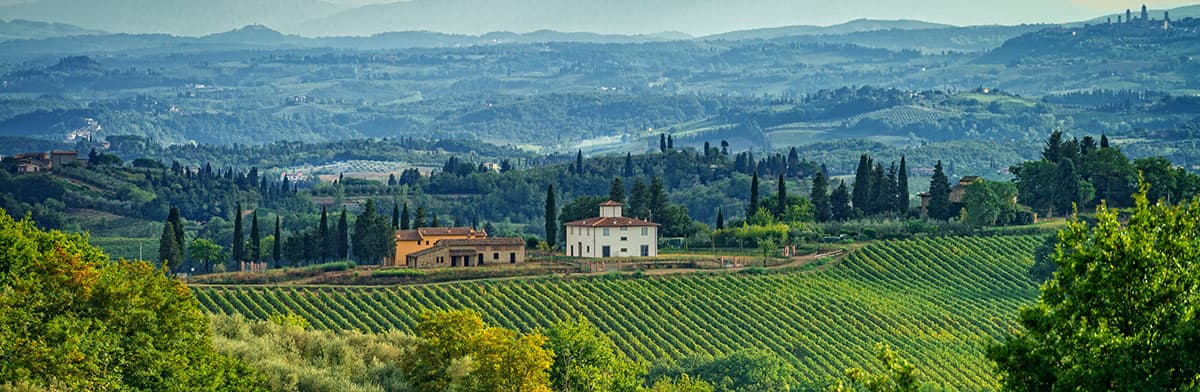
(938,301)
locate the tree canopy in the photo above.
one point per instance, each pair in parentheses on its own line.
(72,320)
(1119,314)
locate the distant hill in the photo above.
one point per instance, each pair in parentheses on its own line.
(957,39)
(185,17)
(259,36)
(1189,11)
(854,26)
(26,29)
(480,16)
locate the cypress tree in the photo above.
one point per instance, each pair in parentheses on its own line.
(253,251)
(177,222)
(639,199)
(753,207)
(877,202)
(405,223)
(169,253)
(239,251)
(670,142)
(939,194)
(1103,141)
(720,219)
(888,200)
(419,219)
(579,162)
(862,183)
(343,236)
(662,142)
(323,236)
(902,188)
(781,199)
(551,216)
(658,199)
(434,222)
(617,191)
(839,203)
(395,214)
(820,198)
(276,251)
(628,172)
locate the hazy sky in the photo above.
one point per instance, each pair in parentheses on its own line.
(696,17)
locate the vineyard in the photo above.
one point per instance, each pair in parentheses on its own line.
(938,301)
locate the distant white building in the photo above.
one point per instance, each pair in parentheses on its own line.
(611,235)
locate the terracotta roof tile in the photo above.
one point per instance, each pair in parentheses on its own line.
(612,222)
(611,203)
(484,241)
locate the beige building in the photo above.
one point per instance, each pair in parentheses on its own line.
(412,241)
(612,235)
(469,253)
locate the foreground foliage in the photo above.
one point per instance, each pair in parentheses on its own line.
(936,299)
(71,320)
(1120,312)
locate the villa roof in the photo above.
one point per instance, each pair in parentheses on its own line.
(484,241)
(611,203)
(612,222)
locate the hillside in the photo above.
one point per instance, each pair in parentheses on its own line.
(184,17)
(25,29)
(937,300)
(854,26)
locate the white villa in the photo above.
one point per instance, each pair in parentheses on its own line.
(611,235)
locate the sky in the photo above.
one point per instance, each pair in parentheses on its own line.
(695,17)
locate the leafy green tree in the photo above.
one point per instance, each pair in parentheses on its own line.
(685,383)
(457,351)
(1035,182)
(1112,175)
(72,320)
(206,252)
(1043,260)
(743,370)
(1067,190)
(898,375)
(169,253)
(989,203)
(586,360)
(551,216)
(939,194)
(1119,314)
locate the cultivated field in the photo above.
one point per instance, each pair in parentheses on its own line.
(938,301)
